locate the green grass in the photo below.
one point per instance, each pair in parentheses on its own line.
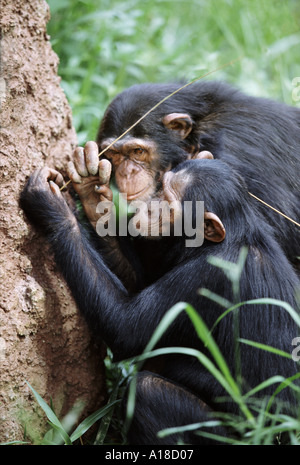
(107,45)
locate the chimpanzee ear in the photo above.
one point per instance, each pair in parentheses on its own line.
(213,228)
(180,122)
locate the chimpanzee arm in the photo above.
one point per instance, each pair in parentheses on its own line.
(121,258)
(125,323)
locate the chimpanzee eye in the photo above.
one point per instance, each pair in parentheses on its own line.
(139,154)
(138,151)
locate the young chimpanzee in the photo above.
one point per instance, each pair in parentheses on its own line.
(181,390)
(260,138)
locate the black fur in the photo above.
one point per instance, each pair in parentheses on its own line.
(126,321)
(260,138)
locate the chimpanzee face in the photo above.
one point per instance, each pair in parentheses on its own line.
(139,163)
(135,164)
(150,148)
(170,206)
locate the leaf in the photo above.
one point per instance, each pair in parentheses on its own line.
(53,420)
(267,348)
(89,421)
(190,427)
(62,432)
(10,443)
(105,422)
(215,297)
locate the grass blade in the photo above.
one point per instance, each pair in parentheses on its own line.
(89,421)
(265,347)
(62,433)
(53,420)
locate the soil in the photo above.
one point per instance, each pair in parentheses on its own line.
(43,339)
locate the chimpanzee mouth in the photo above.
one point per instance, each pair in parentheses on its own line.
(137,194)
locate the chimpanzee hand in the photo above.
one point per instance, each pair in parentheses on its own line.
(90,178)
(43,202)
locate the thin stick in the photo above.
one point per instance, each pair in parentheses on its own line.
(159,103)
(277,211)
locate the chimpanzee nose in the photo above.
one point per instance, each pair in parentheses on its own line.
(128,169)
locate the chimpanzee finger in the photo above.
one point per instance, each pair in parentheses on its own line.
(105,192)
(79,162)
(91,157)
(35,176)
(72,173)
(54,188)
(104,171)
(46,174)
(59,180)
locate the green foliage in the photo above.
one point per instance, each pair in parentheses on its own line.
(107,45)
(60,431)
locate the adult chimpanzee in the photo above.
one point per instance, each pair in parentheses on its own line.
(258,137)
(176,395)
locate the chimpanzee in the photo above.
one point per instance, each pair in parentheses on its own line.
(182,390)
(258,137)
